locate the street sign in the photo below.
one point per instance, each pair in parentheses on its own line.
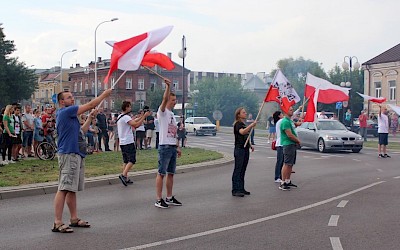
(339,105)
(345,104)
(54,98)
(217,115)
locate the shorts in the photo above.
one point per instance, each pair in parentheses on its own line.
(27,138)
(140,134)
(150,133)
(72,172)
(272,130)
(383,138)
(167,159)
(289,154)
(16,140)
(128,153)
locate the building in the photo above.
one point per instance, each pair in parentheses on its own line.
(258,83)
(381,77)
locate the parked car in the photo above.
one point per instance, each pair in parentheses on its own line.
(328,135)
(200,126)
(372,127)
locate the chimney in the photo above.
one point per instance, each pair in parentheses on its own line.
(169,54)
(98,59)
(78,65)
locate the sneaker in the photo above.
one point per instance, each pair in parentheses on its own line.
(11,161)
(278,180)
(5,162)
(245,192)
(129,181)
(161,204)
(123,180)
(173,201)
(284,187)
(238,194)
(387,156)
(291,185)
(381,156)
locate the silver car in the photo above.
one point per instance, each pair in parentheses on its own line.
(328,135)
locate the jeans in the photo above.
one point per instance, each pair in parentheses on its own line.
(363,133)
(241,160)
(104,134)
(279,162)
(167,155)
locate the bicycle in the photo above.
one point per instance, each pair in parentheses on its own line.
(46,150)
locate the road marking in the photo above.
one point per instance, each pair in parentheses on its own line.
(379,170)
(335,242)
(397,177)
(271,157)
(333,221)
(256,221)
(343,203)
(319,158)
(356,159)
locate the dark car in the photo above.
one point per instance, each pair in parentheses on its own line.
(372,127)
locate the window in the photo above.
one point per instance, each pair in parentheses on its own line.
(105,104)
(75,87)
(128,83)
(392,90)
(141,83)
(176,84)
(141,104)
(378,89)
(42,93)
(112,104)
(81,87)
(112,83)
(99,85)
(153,83)
(86,86)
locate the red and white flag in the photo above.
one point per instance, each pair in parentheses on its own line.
(282,92)
(395,108)
(327,92)
(129,54)
(373,99)
(321,90)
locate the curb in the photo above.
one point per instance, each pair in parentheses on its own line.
(51,187)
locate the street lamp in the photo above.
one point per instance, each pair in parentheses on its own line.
(182,54)
(349,66)
(95,53)
(61,76)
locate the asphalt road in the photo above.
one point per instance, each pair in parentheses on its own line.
(344,201)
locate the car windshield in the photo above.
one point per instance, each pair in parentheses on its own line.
(202,120)
(330,125)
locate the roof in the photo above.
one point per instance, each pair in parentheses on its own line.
(390,55)
(254,83)
(51,76)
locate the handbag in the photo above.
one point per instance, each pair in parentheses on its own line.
(273,145)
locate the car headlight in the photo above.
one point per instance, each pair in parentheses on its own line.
(328,137)
(359,138)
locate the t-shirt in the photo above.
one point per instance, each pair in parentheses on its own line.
(240,139)
(17,124)
(271,122)
(383,124)
(150,125)
(10,123)
(102,121)
(278,133)
(125,133)
(363,120)
(167,127)
(29,119)
(68,128)
(287,123)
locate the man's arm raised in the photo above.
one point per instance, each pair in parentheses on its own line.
(93,103)
(166,94)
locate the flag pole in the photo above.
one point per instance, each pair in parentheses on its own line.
(153,71)
(251,131)
(115,83)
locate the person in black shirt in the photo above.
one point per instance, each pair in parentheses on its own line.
(102,124)
(241,153)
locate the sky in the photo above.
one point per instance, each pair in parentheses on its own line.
(221,35)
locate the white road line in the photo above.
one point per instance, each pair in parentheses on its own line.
(319,158)
(379,170)
(335,242)
(356,159)
(397,177)
(252,222)
(342,203)
(271,157)
(333,221)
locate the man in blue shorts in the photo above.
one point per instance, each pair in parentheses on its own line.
(168,149)
(70,158)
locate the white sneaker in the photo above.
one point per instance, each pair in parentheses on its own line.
(268,142)
(278,180)
(5,162)
(11,161)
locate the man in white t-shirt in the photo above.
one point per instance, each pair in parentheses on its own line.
(383,132)
(168,150)
(27,134)
(126,139)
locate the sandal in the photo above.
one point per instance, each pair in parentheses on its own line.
(62,228)
(79,223)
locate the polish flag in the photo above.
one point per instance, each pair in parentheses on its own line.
(282,92)
(327,92)
(395,108)
(311,113)
(128,54)
(372,99)
(152,58)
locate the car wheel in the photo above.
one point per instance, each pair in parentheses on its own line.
(196,133)
(321,145)
(356,150)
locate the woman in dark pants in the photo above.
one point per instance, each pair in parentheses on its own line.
(241,153)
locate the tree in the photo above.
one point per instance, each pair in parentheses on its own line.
(17,82)
(154,97)
(224,94)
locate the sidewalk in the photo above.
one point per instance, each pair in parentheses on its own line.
(51,187)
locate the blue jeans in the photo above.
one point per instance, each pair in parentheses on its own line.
(241,160)
(167,159)
(279,162)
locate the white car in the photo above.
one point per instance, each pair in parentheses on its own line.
(200,126)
